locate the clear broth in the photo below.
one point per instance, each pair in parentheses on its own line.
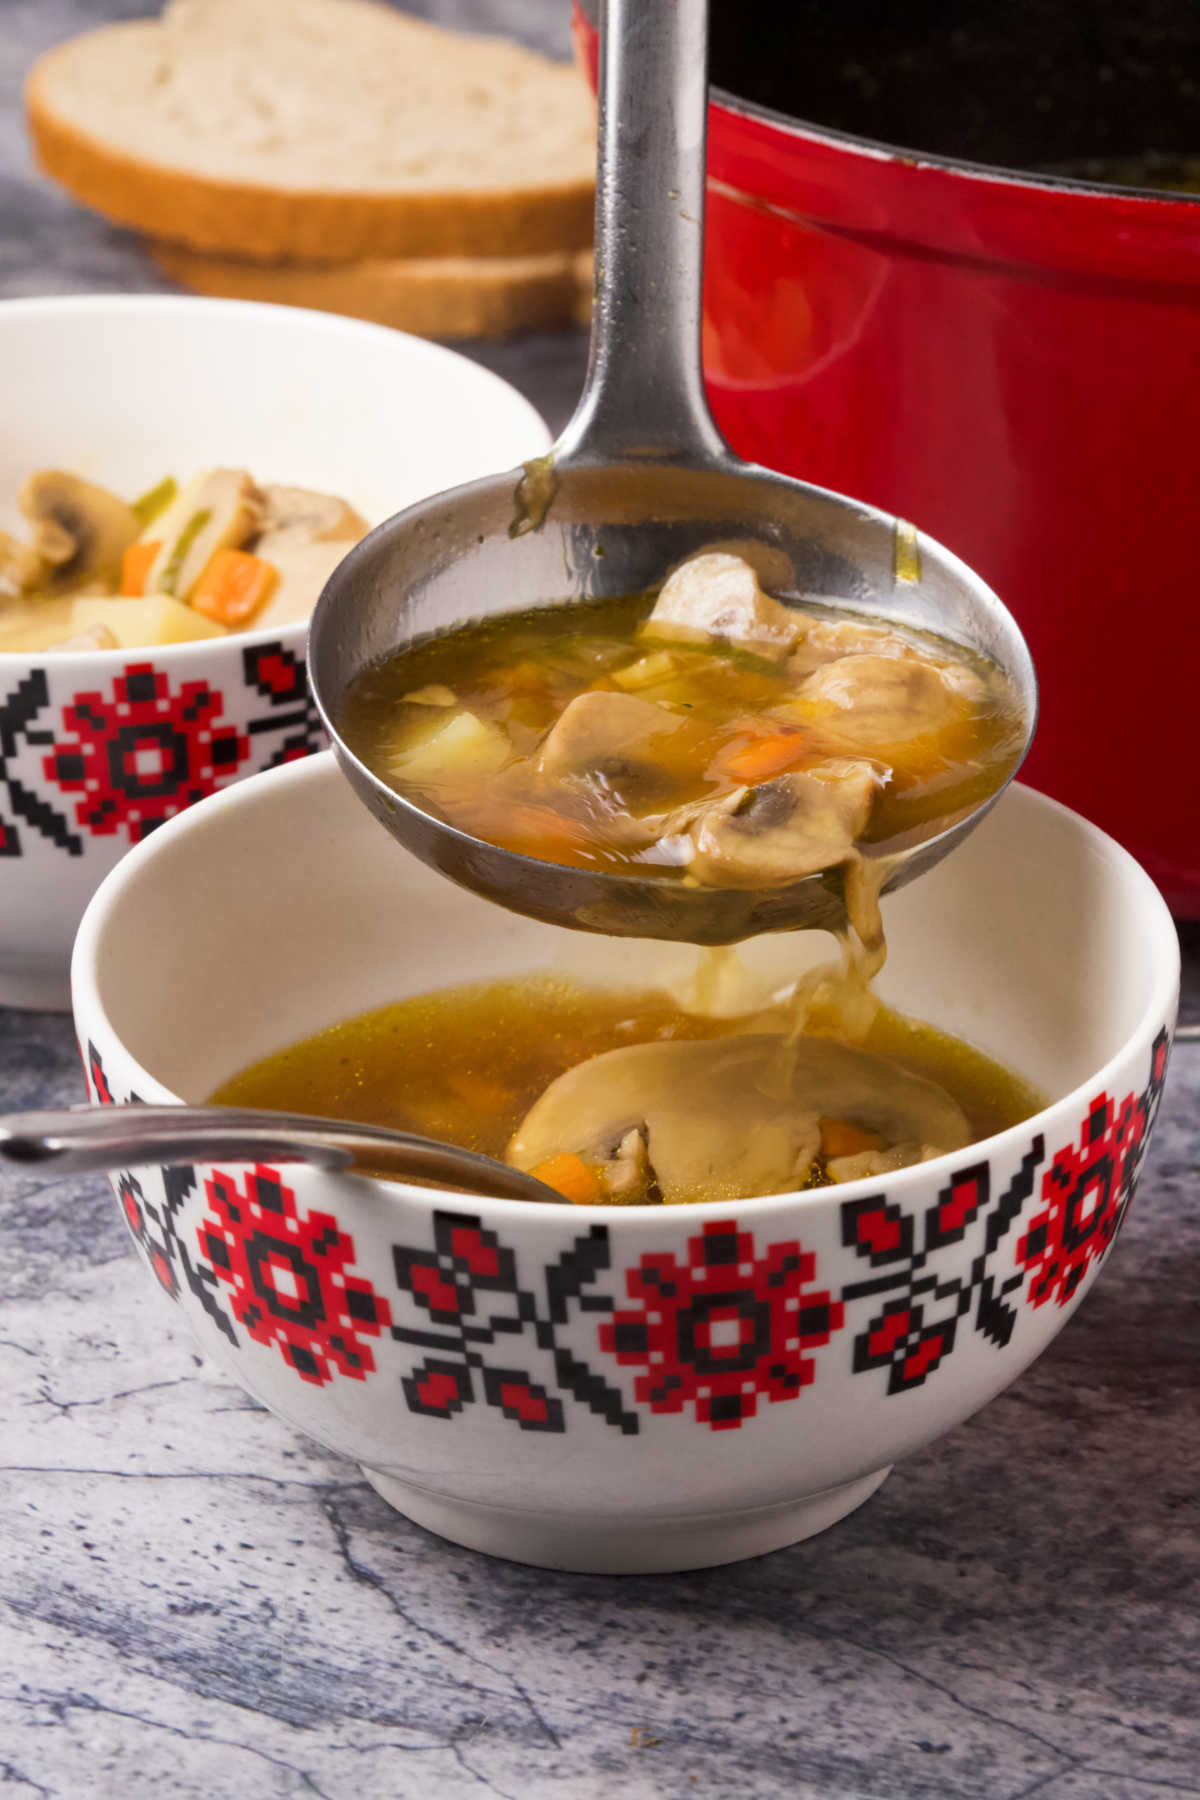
(465,1064)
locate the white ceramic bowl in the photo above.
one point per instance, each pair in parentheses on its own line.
(632,1388)
(96,749)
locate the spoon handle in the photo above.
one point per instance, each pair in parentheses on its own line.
(644,394)
(86,1138)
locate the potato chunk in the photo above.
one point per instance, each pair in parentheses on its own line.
(154,619)
(461,747)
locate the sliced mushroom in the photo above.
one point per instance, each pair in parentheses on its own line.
(304,513)
(627,1175)
(884,706)
(81,531)
(708,1132)
(865,1165)
(304,536)
(627,746)
(53,543)
(220,510)
(715,598)
(785,829)
(724,1118)
(828,640)
(21,567)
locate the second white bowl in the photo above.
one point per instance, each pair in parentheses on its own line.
(98,748)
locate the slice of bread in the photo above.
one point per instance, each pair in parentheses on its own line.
(317,130)
(437,297)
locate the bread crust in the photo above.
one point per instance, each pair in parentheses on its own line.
(436,298)
(274,224)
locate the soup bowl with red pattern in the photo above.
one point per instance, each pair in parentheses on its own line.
(624,1388)
(98,747)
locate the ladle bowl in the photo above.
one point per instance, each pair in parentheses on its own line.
(640,479)
(615,528)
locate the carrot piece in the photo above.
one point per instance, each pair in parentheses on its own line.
(571,1176)
(482,1095)
(839,1137)
(763,757)
(540,831)
(233,586)
(135,566)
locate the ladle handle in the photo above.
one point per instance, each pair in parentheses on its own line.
(81,1139)
(644,394)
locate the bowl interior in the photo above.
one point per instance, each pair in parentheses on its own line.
(281,906)
(124,390)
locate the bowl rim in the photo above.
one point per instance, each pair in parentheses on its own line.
(1159,937)
(300,319)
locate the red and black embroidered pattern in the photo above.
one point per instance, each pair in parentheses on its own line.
(468,1287)
(18,715)
(139,755)
(915,1328)
(155,1224)
(1087,1189)
(715,1332)
(125,757)
(279,675)
(146,1227)
(93,1069)
(290,1276)
(724,1329)
(1084,1193)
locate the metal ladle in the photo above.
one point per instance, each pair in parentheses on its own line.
(80,1139)
(639,479)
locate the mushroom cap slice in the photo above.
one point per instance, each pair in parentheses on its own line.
(304,536)
(304,514)
(785,829)
(716,598)
(725,1118)
(617,736)
(81,530)
(883,706)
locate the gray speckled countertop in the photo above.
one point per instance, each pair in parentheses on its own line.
(198,1602)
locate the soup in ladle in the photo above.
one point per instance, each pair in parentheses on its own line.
(709,733)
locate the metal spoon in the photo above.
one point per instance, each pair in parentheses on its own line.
(640,478)
(84,1138)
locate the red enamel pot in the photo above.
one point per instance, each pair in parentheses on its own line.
(1012,360)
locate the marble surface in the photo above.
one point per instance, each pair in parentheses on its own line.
(198,1602)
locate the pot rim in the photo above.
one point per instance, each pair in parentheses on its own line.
(880,149)
(1136,243)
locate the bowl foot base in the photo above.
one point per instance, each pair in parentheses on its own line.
(589,1545)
